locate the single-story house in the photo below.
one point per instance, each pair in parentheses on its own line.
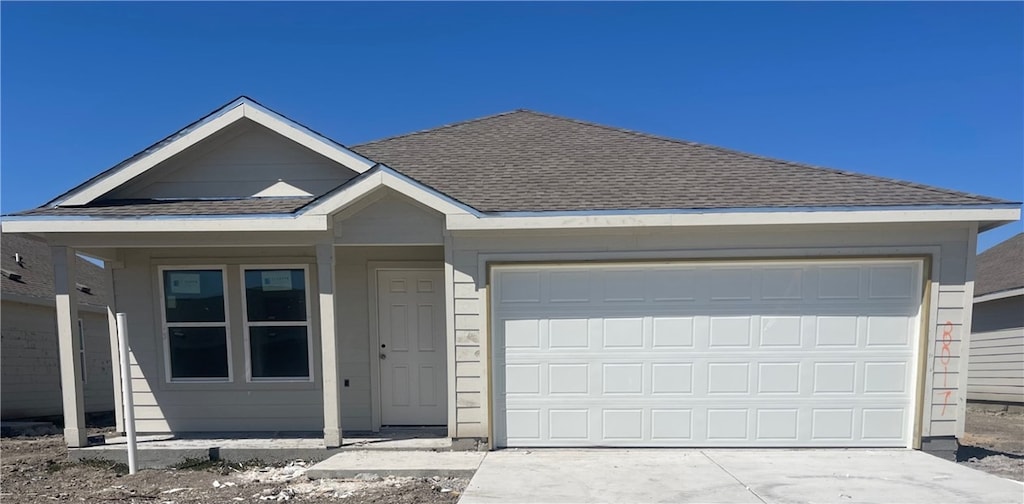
(29,362)
(523,280)
(996,369)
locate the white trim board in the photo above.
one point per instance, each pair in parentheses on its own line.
(247,324)
(372,267)
(316,218)
(999,295)
(242,108)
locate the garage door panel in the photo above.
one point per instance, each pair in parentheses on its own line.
(739,424)
(710,332)
(755,354)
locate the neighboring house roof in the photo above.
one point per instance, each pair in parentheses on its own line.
(35,273)
(1001,267)
(525,161)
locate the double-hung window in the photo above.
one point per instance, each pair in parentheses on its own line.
(196,334)
(277,327)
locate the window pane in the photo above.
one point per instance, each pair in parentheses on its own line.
(198,352)
(275,295)
(194,296)
(279,352)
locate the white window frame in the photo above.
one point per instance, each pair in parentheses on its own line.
(165,326)
(81,351)
(246,324)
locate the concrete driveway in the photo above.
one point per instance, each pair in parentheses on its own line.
(754,476)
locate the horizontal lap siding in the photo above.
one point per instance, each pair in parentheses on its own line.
(470,391)
(943,412)
(996,367)
(30,364)
(162,407)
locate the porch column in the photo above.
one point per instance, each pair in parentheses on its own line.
(115,355)
(69,342)
(328,344)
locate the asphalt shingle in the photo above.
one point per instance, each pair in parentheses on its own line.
(529,161)
(142,208)
(36,272)
(524,161)
(1001,267)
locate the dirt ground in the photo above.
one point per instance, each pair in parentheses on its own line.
(36,470)
(994,442)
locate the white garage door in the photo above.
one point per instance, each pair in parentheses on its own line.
(774,353)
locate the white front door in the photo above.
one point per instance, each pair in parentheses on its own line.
(411,347)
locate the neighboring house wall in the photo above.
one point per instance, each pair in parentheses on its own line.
(30,376)
(996,369)
(949,301)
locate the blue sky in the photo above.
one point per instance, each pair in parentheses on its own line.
(932,93)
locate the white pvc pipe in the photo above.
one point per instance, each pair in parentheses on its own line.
(126,390)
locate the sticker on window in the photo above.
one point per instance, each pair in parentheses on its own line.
(172,302)
(278,280)
(185,283)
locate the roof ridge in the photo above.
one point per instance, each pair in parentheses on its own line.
(808,166)
(438,128)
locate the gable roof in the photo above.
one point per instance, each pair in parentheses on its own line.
(524,161)
(1001,267)
(241,108)
(36,273)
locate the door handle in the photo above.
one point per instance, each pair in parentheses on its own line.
(382,356)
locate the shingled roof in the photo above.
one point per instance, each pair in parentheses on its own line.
(1001,267)
(529,161)
(524,161)
(141,208)
(35,273)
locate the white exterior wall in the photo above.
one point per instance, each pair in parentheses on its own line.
(950,246)
(996,368)
(30,366)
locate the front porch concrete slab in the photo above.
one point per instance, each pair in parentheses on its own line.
(754,476)
(447,464)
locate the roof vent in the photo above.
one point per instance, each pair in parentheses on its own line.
(84,288)
(19,259)
(12,275)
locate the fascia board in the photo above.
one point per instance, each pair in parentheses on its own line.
(163,224)
(234,112)
(306,137)
(389,178)
(89,193)
(590,220)
(999,295)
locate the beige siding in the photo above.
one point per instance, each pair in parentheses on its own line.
(949,245)
(30,366)
(352,280)
(389,218)
(240,161)
(996,367)
(237,406)
(241,406)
